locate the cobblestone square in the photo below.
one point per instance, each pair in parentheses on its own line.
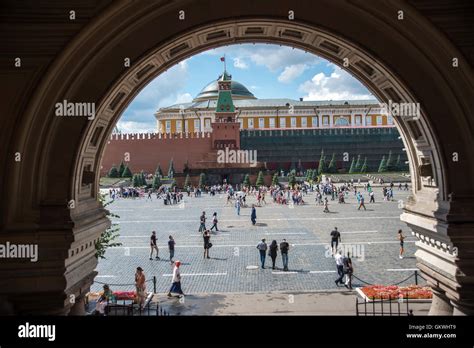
(372,234)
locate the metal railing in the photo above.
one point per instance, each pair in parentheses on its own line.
(386,307)
(128,307)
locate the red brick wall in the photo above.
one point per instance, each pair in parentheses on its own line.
(145,154)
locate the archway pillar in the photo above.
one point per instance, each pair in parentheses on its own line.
(56,283)
(444,252)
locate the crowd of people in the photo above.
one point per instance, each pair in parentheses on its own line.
(238,197)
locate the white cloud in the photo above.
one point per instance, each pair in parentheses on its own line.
(239,63)
(183,98)
(291,72)
(163,91)
(339,85)
(273,57)
(136,127)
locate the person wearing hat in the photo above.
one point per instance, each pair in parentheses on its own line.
(176,285)
(140,286)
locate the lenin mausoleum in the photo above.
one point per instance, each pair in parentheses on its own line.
(285,134)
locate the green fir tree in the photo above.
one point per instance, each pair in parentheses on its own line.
(113,172)
(187,181)
(121,169)
(352,167)
(127,173)
(363,169)
(383,165)
(171,169)
(156,182)
(260,179)
(202,180)
(275,179)
(332,165)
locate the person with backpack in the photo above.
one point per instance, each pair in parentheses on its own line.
(273,252)
(214,222)
(284,248)
(262,248)
(348,270)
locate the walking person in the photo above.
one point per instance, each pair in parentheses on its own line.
(273,251)
(362,203)
(207,244)
(171,244)
(372,197)
(340,267)
(262,248)
(284,248)
(401,238)
(348,270)
(335,239)
(214,222)
(153,245)
(176,281)
(237,205)
(202,226)
(326,208)
(140,286)
(253,215)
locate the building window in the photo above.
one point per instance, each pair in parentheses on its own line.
(168,126)
(379,120)
(178,126)
(272,122)
(250,123)
(283,122)
(197,125)
(341,122)
(304,122)
(207,124)
(368,120)
(389,119)
(358,120)
(261,122)
(314,121)
(293,122)
(325,120)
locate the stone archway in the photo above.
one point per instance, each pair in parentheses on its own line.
(62,156)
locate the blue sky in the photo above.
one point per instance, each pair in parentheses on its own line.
(268,71)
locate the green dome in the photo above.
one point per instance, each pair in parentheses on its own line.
(239,91)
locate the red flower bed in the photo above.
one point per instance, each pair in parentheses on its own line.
(394,292)
(125,295)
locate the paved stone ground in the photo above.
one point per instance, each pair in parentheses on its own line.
(372,233)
